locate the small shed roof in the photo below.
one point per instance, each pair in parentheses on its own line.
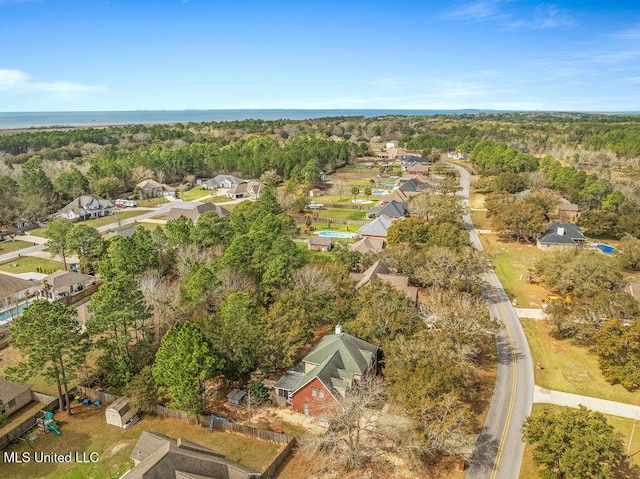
(236,395)
(10,390)
(120,405)
(317,240)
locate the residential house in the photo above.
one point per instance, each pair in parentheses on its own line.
(62,284)
(152,189)
(194,211)
(13,396)
(395,195)
(420,180)
(222,181)
(157,456)
(377,228)
(14,295)
(248,189)
(395,153)
(317,384)
(393,209)
(561,235)
(567,210)
(381,271)
(368,245)
(85,207)
(418,167)
(320,243)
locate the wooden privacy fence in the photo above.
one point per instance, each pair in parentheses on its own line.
(96,395)
(50,404)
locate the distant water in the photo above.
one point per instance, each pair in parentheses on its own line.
(94,118)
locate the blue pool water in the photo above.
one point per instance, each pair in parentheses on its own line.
(605,248)
(378,192)
(7,315)
(335,234)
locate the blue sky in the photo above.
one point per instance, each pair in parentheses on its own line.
(68,55)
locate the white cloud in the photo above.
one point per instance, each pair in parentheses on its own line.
(632,34)
(540,18)
(478,10)
(16,81)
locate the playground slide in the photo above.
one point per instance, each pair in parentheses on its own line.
(53,429)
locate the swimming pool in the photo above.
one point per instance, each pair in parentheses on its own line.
(13,312)
(335,234)
(605,248)
(358,201)
(379,192)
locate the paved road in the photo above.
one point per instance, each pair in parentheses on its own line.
(499,448)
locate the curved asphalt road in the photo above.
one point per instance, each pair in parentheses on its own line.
(499,448)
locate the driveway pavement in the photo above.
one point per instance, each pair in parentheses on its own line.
(548,396)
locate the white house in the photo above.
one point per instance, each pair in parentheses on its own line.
(86,206)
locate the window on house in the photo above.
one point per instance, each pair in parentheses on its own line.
(321,394)
(283,393)
(313,391)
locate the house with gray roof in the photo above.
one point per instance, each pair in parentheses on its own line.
(61,284)
(393,209)
(317,384)
(222,181)
(561,235)
(377,228)
(368,245)
(86,206)
(157,456)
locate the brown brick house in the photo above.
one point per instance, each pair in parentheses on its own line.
(317,384)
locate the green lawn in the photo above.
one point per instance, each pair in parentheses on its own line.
(8,246)
(569,367)
(105,220)
(623,426)
(343,214)
(315,256)
(511,261)
(152,202)
(219,199)
(26,264)
(194,194)
(480,221)
(87,431)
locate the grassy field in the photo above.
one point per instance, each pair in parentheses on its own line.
(315,256)
(122,215)
(569,367)
(7,246)
(194,194)
(152,202)
(622,426)
(343,214)
(26,264)
(511,261)
(219,199)
(87,431)
(480,221)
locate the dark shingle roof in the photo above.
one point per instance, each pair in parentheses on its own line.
(570,234)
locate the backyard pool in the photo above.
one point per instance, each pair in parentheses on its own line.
(605,248)
(13,312)
(336,234)
(361,202)
(379,192)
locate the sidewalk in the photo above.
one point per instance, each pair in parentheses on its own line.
(547,396)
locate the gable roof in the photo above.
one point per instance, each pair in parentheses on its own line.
(566,205)
(393,209)
(218,179)
(149,183)
(161,457)
(379,270)
(337,359)
(317,240)
(368,245)
(570,234)
(377,227)
(87,203)
(10,390)
(61,281)
(11,285)
(193,212)
(395,195)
